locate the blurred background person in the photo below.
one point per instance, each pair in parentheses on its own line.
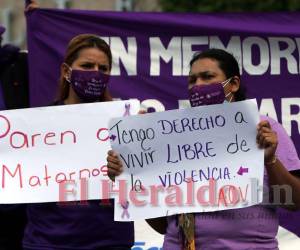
(14,94)
(14,90)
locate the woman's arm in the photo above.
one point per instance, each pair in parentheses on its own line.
(279,176)
(277,172)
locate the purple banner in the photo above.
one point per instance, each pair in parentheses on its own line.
(151,53)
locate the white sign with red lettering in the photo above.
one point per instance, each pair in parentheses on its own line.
(41,148)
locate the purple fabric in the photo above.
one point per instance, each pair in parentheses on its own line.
(77,227)
(200,95)
(2,103)
(2,30)
(254,227)
(47,46)
(89,85)
(53,226)
(248,228)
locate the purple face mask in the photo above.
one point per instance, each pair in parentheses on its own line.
(209,94)
(88,85)
(206,94)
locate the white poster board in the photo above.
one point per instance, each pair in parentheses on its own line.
(42,147)
(189,160)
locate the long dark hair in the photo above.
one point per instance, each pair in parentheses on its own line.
(74,47)
(227,63)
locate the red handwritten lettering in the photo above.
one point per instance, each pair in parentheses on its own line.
(23,137)
(17,170)
(7,126)
(49,135)
(102,138)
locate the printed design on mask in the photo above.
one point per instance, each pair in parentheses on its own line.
(208,94)
(89,85)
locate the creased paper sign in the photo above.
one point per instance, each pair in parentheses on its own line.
(190,160)
(42,147)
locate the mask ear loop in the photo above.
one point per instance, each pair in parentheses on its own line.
(68,78)
(226,81)
(224,84)
(228,95)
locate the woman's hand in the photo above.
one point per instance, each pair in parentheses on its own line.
(31,6)
(267,139)
(114,165)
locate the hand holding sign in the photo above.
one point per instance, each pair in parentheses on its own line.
(267,139)
(114,165)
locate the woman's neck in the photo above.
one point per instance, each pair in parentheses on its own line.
(72,98)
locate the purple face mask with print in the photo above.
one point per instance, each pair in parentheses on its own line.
(208,94)
(88,85)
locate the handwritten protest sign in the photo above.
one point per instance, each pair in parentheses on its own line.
(42,147)
(190,160)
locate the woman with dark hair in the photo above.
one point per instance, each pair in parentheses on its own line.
(84,78)
(214,78)
(227,63)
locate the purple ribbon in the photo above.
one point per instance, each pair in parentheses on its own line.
(127,109)
(125,206)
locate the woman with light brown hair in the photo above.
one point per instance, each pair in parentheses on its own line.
(86,54)
(84,78)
